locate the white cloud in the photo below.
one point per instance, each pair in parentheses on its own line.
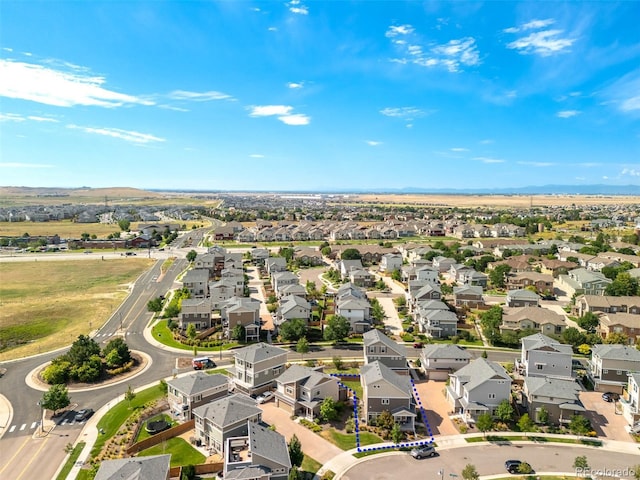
(199,96)
(256,155)
(24,165)
(7,49)
(295,85)
(604,177)
(544,43)
(295,119)
(537,164)
(128,135)
(630,104)
(406,113)
(272,29)
(36,118)
(459,149)
(632,172)
(532,25)
(625,93)
(11,117)
(295,6)
(486,141)
(171,107)
(268,110)
(567,113)
(395,30)
(38,83)
(488,160)
(373,143)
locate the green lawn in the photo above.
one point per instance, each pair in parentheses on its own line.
(162,334)
(347,441)
(533,438)
(356,386)
(116,416)
(181,452)
(142,434)
(70,461)
(310,465)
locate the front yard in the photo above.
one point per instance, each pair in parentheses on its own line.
(181,452)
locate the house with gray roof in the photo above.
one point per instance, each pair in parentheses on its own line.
(196,311)
(582,281)
(294,289)
(438,323)
(155,467)
(390,262)
(292,306)
(560,398)
(257,366)
(378,347)
(385,390)
(275,264)
(219,292)
(522,298)
(610,365)
(468,296)
(197,282)
(224,418)
(356,310)
(300,390)
(243,311)
(478,388)
(439,360)
(193,390)
(630,399)
(280,279)
(542,356)
(262,454)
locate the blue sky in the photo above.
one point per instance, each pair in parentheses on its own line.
(319,95)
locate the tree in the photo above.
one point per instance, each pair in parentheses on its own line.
(497,276)
(129,395)
(619,338)
(294,329)
(623,285)
(589,321)
(295,474)
(192,333)
(573,337)
(504,411)
(396,433)
(238,332)
(385,420)
(543,415)
(337,328)
(581,463)
(579,425)
(326,251)
(524,468)
(57,372)
(351,254)
(295,451)
(89,371)
(85,236)
(337,362)
(119,352)
(525,424)
(584,349)
(328,409)
(124,224)
(55,398)
(469,472)
(484,423)
(81,350)
(188,472)
(154,305)
(191,256)
(302,347)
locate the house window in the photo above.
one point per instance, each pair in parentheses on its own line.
(289,390)
(619,372)
(384,401)
(604,372)
(492,395)
(277,370)
(539,366)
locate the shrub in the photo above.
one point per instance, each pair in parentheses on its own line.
(310,425)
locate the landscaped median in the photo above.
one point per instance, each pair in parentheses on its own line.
(536,438)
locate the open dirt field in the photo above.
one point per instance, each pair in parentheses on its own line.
(515,201)
(44,304)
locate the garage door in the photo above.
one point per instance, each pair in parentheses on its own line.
(437,375)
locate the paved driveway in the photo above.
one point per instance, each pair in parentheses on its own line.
(436,407)
(604,419)
(312,444)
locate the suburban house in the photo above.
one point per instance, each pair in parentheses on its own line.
(478,388)
(583,281)
(280,279)
(438,323)
(295,289)
(390,262)
(257,366)
(308,256)
(541,356)
(544,320)
(625,323)
(522,298)
(356,310)
(378,347)
(346,266)
(468,296)
(275,264)
(300,390)
(259,256)
(291,307)
(439,360)
(630,399)
(193,390)
(426,292)
(442,264)
(361,278)
(262,454)
(219,292)
(243,311)
(560,398)
(196,311)
(224,418)
(197,282)
(428,274)
(155,467)
(383,389)
(471,277)
(540,281)
(610,365)
(607,304)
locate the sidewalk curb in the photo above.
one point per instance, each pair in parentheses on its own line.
(6,409)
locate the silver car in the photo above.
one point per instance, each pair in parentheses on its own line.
(424,451)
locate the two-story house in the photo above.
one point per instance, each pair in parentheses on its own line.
(224,418)
(468,296)
(385,390)
(625,323)
(583,281)
(300,390)
(540,281)
(522,298)
(280,279)
(292,307)
(478,388)
(155,467)
(560,398)
(610,365)
(438,323)
(542,356)
(257,366)
(196,311)
(439,360)
(378,347)
(356,310)
(606,304)
(197,282)
(243,311)
(630,400)
(543,320)
(275,264)
(262,454)
(193,390)
(390,262)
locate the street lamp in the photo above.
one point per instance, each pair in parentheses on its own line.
(41,417)
(441,473)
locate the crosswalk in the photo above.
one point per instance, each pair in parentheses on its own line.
(104,335)
(26,426)
(23,427)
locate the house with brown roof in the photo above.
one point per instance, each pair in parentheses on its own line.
(540,281)
(625,323)
(607,304)
(544,320)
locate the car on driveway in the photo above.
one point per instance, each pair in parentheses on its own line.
(424,451)
(83,414)
(610,397)
(265,397)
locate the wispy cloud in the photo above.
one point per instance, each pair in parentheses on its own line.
(295,6)
(373,143)
(256,155)
(537,164)
(405,113)
(36,118)
(24,165)
(489,160)
(42,84)
(283,112)
(295,85)
(630,172)
(459,149)
(127,135)
(487,141)
(172,107)
(567,113)
(451,55)
(272,29)
(15,117)
(625,93)
(199,96)
(541,42)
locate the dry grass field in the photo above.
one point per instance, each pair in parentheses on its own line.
(45,305)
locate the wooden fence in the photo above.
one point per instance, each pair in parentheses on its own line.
(201,469)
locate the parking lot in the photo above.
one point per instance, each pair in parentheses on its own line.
(604,419)
(436,407)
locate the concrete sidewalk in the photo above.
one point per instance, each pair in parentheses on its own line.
(6,414)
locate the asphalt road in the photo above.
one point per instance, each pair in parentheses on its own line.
(488,460)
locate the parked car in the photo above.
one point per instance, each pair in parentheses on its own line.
(610,397)
(424,451)
(265,397)
(512,466)
(83,414)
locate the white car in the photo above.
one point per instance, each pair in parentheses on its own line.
(265,397)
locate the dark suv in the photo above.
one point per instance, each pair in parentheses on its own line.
(512,466)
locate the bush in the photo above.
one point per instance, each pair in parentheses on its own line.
(314,427)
